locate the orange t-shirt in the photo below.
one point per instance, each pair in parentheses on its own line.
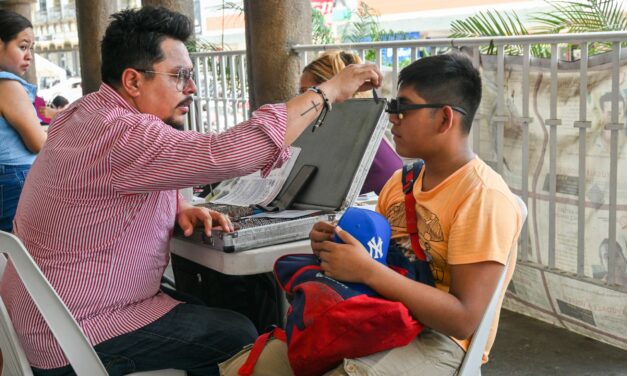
(470,217)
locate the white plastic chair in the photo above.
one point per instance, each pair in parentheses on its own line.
(471,365)
(73,342)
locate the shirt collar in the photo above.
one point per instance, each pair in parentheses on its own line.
(109,94)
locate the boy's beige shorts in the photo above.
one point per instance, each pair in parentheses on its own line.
(431,353)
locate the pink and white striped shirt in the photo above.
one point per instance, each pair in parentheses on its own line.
(99,206)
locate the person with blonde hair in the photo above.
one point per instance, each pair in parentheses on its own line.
(327,65)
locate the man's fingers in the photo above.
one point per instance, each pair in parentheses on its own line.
(207,221)
(186,225)
(370,75)
(224,222)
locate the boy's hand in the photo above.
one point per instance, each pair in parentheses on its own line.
(321,232)
(348,262)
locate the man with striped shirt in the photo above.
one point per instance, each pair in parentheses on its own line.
(100,202)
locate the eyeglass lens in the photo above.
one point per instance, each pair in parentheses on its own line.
(183,77)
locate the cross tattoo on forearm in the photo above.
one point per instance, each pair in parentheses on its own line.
(314,106)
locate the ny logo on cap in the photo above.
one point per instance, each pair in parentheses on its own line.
(375,247)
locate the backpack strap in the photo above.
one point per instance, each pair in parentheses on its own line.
(248,367)
(410,175)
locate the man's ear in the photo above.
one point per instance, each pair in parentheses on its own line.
(132,81)
(447,120)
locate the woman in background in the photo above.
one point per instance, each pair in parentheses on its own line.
(21,135)
(327,65)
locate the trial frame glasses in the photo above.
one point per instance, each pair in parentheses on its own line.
(394,106)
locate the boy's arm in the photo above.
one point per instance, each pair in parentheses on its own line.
(456,313)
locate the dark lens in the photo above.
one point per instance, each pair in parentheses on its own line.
(392,106)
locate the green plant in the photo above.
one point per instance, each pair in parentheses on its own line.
(495,23)
(320,32)
(583,16)
(366,28)
(563,17)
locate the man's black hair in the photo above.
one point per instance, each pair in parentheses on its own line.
(447,79)
(134,36)
(11,24)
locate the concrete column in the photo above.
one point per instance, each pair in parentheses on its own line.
(23,7)
(272,28)
(92,18)
(185,7)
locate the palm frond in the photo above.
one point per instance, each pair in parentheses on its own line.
(581,16)
(494,23)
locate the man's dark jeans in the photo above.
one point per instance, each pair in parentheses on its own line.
(191,337)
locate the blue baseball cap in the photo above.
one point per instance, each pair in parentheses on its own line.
(373,231)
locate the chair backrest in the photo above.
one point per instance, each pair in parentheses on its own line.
(471,365)
(14,358)
(73,342)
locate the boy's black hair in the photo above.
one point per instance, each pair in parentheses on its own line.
(133,39)
(11,24)
(448,79)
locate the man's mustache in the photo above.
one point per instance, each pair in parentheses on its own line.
(186,102)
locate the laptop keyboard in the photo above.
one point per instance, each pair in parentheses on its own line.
(237,212)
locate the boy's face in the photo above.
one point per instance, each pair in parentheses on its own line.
(414,130)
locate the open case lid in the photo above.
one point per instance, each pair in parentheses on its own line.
(342,149)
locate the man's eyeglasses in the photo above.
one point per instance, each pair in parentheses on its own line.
(182,76)
(394,106)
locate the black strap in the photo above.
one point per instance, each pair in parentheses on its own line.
(410,175)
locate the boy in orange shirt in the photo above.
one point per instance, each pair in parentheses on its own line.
(468,223)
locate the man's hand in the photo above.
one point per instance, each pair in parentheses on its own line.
(350,80)
(348,262)
(191,216)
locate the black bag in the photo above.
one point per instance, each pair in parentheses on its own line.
(256,296)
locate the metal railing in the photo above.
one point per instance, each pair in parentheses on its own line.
(560,204)
(222,98)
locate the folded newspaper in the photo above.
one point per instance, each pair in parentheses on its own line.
(253,189)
